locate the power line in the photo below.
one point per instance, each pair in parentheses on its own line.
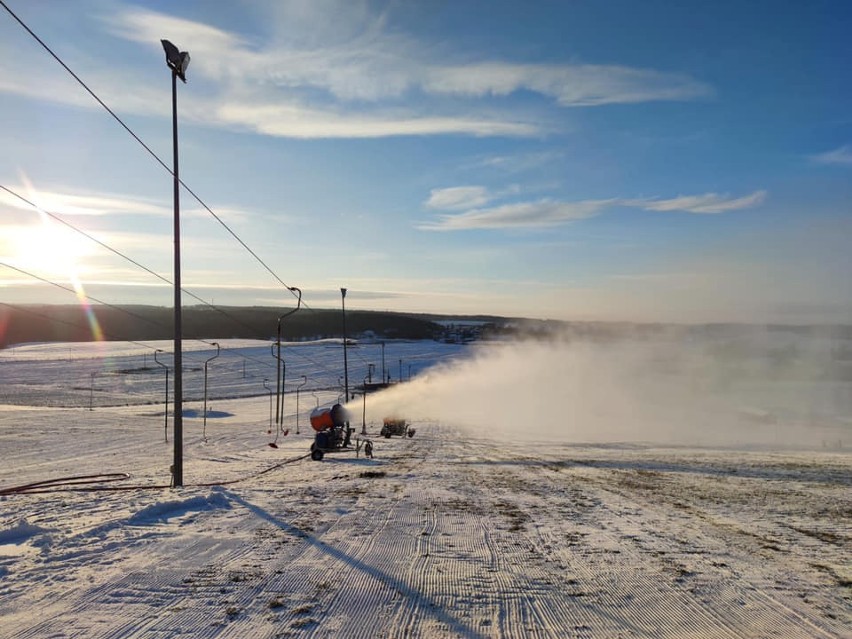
(161,325)
(129,259)
(163,164)
(123,310)
(23,309)
(71,290)
(139,140)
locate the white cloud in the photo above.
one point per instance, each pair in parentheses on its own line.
(291,120)
(841,156)
(707,203)
(568,84)
(542,213)
(458,198)
(84,204)
(520,162)
(547,212)
(334,69)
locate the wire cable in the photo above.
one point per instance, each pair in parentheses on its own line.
(139,140)
(124,310)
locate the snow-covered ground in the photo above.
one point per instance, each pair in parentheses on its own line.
(458,531)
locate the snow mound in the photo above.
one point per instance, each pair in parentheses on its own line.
(20,533)
(166,510)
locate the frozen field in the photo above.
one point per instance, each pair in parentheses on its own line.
(456,532)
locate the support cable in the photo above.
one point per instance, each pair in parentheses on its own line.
(139,140)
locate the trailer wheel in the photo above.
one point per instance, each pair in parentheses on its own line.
(317,454)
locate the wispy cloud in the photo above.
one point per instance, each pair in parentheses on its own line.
(545,213)
(707,203)
(542,213)
(519,162)
(458,198)
(284,119)
(336,69)
(841,156)
(84,204)
(570,85)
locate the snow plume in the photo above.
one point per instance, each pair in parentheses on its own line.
(679,387)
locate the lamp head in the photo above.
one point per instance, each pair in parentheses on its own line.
(177,61)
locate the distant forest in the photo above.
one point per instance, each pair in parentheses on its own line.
(48,323)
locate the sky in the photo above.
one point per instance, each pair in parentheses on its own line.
(658,161)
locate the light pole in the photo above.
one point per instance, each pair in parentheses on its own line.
(345,360)
(166,411)
(279,403)
(207,361)
(177,61)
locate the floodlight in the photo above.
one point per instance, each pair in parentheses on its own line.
(177,61)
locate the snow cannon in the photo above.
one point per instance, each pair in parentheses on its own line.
(396,426)
(333,433)
(324,418)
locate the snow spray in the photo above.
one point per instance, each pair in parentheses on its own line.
(671,387)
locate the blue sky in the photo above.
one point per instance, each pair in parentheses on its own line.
(653,161)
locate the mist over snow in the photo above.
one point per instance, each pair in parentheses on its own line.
(677,387)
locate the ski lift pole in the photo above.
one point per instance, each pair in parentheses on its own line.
(364,414)
(265,379)
(92,389)
(207,361)
(279,409)
(166,411)
(304,377)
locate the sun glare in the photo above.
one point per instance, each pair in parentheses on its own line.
(47,248)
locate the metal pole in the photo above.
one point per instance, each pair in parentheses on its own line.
(400,371)
(205,386)
(364,414)
(166,412)
(279,399)
(304,377)
(270,403)
(178,418)
(384,375)
(277,356)
(278,375)
(345,361)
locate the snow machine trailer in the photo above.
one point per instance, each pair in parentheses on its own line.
(333,433)
(393,426)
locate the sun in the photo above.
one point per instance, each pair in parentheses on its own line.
(46,248)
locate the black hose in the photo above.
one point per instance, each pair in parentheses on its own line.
(77,483)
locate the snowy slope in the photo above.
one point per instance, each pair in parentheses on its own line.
(450,533)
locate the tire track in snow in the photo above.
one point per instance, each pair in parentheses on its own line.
(693,599)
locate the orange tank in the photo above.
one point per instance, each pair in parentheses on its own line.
(323,418)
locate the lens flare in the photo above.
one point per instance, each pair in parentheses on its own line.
(55,251)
